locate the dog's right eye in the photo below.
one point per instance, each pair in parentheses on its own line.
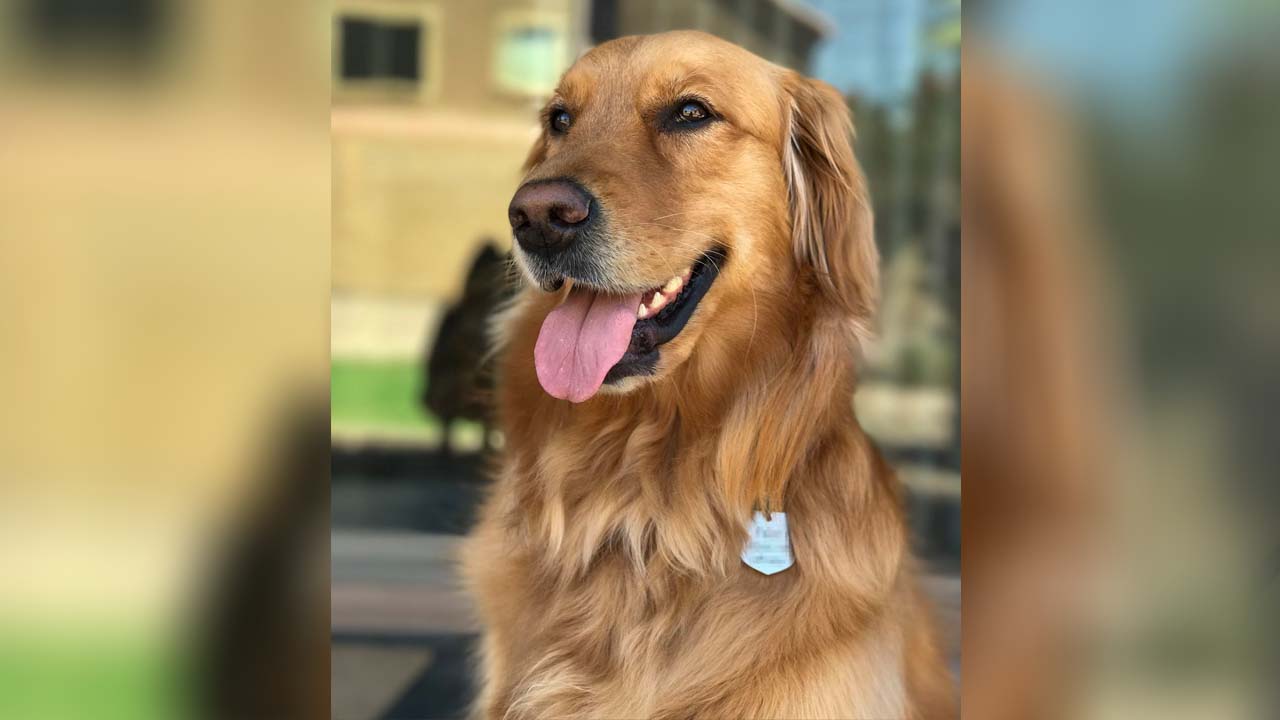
(692,112)
(560,120)
(687,115)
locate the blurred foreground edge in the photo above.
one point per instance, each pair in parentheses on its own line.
(1030,378)
(265,652)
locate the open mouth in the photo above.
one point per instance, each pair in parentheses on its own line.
(663,313)
(593,338)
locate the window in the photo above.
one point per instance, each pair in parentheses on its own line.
(604,20)
(75,31)
(375,49)
(387,52)
(531,50)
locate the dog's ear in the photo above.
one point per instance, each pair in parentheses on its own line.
(831,223)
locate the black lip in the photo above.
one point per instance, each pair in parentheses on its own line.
(650,334)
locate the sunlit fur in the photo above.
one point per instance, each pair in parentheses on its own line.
(606,563)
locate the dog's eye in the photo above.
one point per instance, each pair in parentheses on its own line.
(687,115)
(560,120)
(693,112)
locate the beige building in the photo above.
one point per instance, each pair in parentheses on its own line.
(784,31)
(434,108)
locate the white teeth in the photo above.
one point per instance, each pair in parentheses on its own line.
(663,296)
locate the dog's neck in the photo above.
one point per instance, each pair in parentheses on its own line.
(706,444)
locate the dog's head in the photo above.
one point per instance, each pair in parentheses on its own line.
(678,182)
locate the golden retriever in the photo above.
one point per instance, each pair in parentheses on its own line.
(697,240)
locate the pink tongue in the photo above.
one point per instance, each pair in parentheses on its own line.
(581,339)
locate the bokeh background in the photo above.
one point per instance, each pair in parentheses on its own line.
(1121,550)
(171,179)
(164,290)
(435,105)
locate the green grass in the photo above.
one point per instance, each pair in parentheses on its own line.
(379,394)
(95,673)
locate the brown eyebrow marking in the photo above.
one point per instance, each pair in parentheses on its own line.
(690,86)
(575,89)
(695,80)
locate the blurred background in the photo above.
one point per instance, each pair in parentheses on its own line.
(172,176)
(435,106)
(164,290)
(1122,558)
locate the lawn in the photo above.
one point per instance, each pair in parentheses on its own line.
(378,394)
(94,672)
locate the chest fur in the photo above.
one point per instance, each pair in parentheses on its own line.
(617,641)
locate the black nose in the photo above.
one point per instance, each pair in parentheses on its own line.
(548,215)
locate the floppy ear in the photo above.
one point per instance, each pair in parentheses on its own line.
(831,223)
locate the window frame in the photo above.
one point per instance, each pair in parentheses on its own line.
(504,21)
(428,17)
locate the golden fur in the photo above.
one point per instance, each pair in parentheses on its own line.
(606,562)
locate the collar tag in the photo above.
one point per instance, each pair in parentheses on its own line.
(768,547)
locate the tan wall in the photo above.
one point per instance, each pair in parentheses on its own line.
(459,51)
(412,202)
(411,209)
(420,178)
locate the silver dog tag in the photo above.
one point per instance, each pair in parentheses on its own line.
(768,547)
